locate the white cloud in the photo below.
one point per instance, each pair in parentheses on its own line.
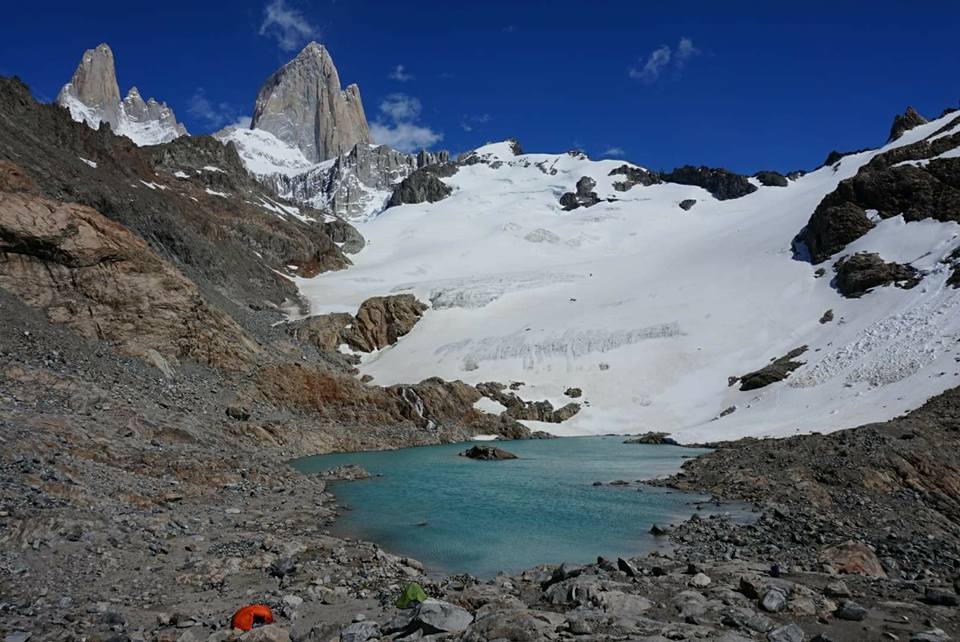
(243,122)
(400,74)
(614,151)
(406,137)
(286,25)
(401,107)
(656,61)
(398,126)
(663,58)
(686,51)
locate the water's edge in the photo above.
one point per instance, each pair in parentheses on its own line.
(693,503)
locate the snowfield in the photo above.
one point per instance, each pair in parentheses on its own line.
(648,308)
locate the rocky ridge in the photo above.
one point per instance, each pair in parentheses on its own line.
(916,181)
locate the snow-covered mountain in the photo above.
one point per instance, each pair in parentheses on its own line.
(93,96)
(656,298)
(310,143)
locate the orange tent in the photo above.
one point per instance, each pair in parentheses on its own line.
(251,616)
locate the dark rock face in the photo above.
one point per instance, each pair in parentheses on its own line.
(778,370)
(905,122)
(772,179)
(339,231)
(573,393)
(633,176)
(723,184)
(517,408)
(931,190)
(860,273)
(827,317)
(422,186)
(653,438)
(583,197)
(687,204)
(487,453)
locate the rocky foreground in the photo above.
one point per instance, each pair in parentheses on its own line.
(123,519)
(150,402)
(125,516)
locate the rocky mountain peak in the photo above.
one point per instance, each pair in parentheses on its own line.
(93,97)
(94,86)
(904,122)
(303,105)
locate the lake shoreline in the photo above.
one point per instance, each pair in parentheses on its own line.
(375,511)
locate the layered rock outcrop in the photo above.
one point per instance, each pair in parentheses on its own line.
(303,105)
(93,275)
(379,323)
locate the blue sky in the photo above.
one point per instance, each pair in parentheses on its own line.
(748,85)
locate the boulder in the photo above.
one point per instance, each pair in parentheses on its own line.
(360,632)
(850,610)
(860,273)
(269,633)
(583,197)
(852,557)
(439,616)
(940,597)
(687,204)
(487,453)
(787,633)
(774,600)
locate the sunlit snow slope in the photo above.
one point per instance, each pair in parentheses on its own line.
(648,308)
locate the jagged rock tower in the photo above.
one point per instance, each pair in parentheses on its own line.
(93,97)
(303,105)
(94,85)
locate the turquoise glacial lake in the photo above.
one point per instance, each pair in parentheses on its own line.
(460,515)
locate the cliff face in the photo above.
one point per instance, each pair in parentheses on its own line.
(303,105)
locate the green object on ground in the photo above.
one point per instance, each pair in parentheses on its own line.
(411,596)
